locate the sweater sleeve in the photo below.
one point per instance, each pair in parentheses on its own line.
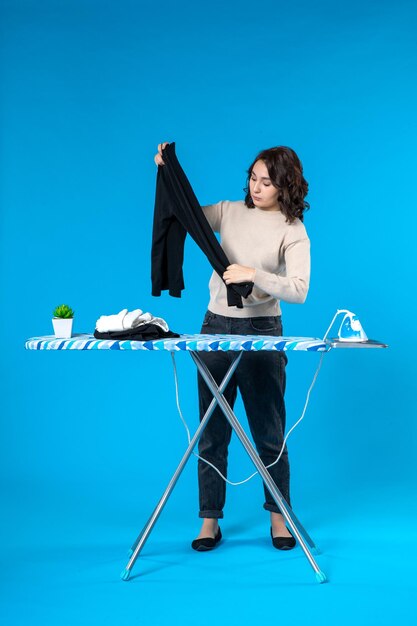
(292,287)
(214,214)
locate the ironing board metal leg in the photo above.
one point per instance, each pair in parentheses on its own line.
(276,494)
(301,528)
(144,534)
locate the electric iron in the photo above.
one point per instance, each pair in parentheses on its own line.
(350,328)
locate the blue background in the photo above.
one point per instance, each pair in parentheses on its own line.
(90,440)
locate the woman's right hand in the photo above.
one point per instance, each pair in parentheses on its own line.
(158,157)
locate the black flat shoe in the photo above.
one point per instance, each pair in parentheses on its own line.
(206,543)
(283,543)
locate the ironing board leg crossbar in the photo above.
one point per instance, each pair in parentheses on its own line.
(297,529)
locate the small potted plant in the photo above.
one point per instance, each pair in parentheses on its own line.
(63,317)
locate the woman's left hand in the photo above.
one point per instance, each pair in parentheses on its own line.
(238,274)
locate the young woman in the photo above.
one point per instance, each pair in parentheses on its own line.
(265,239)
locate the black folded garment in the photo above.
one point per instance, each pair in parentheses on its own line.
(145,332)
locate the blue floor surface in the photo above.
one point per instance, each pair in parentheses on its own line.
(60,569)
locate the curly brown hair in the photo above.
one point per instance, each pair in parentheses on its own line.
(286,174)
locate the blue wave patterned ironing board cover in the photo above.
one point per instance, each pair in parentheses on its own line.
(198,343)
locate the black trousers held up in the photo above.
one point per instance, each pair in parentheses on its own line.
(177,212)
(260,378)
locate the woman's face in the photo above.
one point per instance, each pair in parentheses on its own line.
(262,191)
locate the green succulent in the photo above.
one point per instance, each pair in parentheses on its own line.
(63,311)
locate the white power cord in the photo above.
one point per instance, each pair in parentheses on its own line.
(286,437)
(332,322)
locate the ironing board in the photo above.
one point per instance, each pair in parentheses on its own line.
(194,344)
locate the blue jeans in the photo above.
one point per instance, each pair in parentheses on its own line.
(260,377)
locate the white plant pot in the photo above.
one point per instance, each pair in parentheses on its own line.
(62,327)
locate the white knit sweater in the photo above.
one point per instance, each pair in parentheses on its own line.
(280,253)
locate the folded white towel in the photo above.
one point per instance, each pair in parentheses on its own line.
(143,318)
(131,318)
(126,320)
(106,323)
(148,318)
